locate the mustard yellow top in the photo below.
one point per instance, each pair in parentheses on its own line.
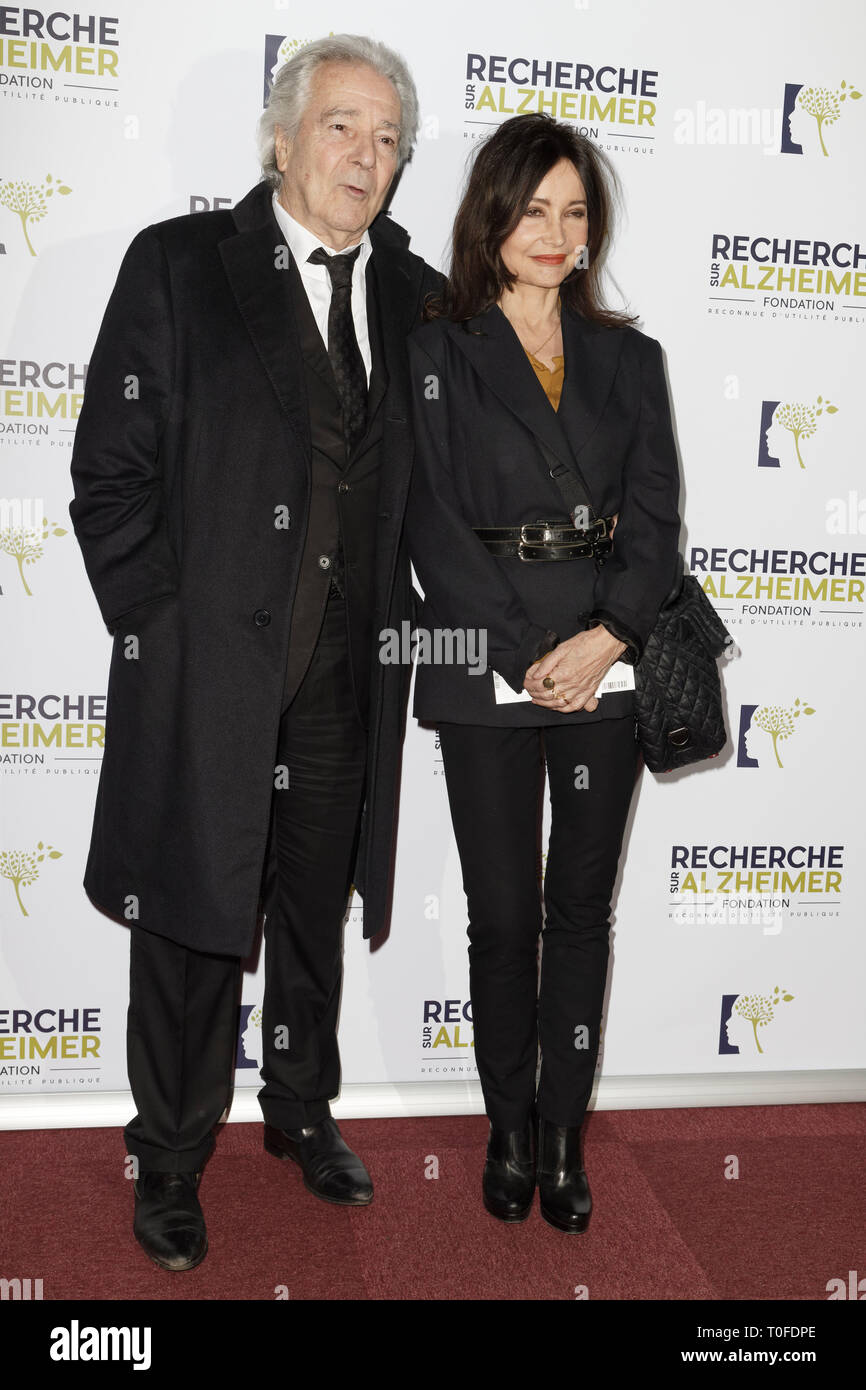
(551,381)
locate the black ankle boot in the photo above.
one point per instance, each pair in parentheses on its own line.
(563,1190)
(508,1183)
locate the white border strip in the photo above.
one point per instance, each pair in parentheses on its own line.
(112,1109)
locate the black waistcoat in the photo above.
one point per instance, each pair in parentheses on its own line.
(341,529)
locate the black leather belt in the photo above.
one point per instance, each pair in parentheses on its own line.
(547,540)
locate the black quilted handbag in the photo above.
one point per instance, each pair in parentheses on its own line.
(678,693)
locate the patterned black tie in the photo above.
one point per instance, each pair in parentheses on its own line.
(343,350)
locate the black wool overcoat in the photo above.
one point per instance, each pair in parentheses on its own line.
(191,470)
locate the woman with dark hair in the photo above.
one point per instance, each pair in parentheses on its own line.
(542,423)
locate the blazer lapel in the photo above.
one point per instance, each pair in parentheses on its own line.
(259,281)
(592,354)
(495,352)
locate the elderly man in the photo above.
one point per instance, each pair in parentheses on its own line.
(241,467)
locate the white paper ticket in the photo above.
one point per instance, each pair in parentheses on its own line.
(619,677)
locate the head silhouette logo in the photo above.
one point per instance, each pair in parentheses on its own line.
(249,1049)
(29,201)
(24,544)
(21,867)
(808,112)
(743,1015)
(784,424)
(776,723)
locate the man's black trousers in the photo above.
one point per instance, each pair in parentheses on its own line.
(183,1009)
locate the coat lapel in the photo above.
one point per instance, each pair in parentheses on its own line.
(263,294)
(398,290)
(259,280)
(378,370)
(398,279)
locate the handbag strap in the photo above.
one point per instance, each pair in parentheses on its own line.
(569,480)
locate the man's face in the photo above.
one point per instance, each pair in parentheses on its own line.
(340,164)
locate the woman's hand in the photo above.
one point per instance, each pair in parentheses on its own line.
(577,668)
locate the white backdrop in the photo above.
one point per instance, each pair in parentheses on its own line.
(738,927)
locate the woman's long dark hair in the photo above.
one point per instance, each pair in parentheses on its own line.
(507,170)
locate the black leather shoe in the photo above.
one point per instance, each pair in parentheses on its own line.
(508,1184)
(331,1171)
(169,1223)
(563,1189)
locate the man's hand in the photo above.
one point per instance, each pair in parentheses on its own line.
(577,668)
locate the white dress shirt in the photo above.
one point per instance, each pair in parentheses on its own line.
(317,282)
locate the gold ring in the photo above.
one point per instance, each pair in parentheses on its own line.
(549,683)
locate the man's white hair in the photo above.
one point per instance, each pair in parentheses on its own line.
(290,92)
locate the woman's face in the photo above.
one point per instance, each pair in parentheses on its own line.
(542,248)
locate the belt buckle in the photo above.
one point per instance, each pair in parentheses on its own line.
(527,541)
(546,537)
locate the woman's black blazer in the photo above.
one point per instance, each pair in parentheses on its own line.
(481,417)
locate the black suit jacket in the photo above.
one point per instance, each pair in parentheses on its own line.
(481,417)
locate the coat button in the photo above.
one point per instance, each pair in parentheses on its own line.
(324,562)
(343,487)
(261,617)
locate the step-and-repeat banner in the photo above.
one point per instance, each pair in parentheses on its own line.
(738,134)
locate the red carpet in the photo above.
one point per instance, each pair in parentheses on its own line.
(667,1224)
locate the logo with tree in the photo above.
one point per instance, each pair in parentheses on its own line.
(779,722)
(825,105)
(802,420)
(21,867)
(759,1010)
(24,544)
(287,49)
(30,201)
